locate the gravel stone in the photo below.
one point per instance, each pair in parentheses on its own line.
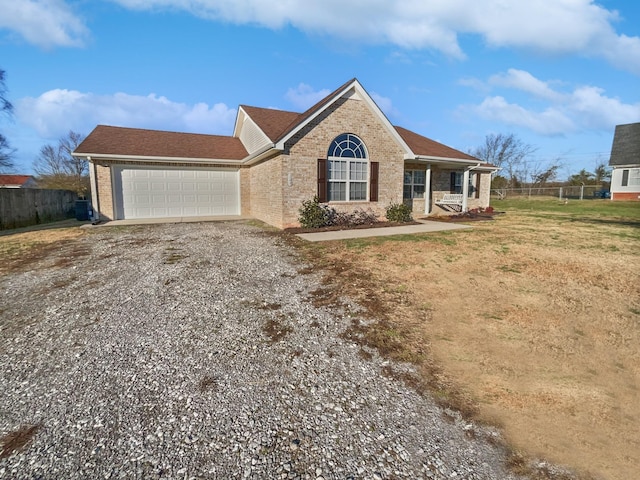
(193,351)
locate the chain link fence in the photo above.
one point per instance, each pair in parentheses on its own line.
(574,192)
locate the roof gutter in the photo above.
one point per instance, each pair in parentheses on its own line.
(265,152)
(96,157)
(472,163)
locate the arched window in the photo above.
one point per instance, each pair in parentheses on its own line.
(347,169)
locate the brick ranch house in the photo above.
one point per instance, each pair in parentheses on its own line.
(343,149)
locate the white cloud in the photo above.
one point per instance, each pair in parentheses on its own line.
(585,107)
(548,122)
(598,111)
(45,23)
(521,80)
(55,112)
(385,104)
(549,26)
(304,96)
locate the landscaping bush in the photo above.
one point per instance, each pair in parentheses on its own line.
(357,217)
(314,215)
(399,212)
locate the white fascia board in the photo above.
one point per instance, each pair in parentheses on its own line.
(265,152)
(236,125)
(96,158)
(367,98)
(630,165)
(383,118)
(434,159)
(457,161)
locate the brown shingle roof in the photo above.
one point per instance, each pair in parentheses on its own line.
(276,124)
(425,146)
(272,122)
(626,145)
(107,140)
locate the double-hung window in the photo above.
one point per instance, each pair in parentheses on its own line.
(457,179)
(347,169)
(414,184)
(631,177)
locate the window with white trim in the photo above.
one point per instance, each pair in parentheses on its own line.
(347,169)
(414,184)
(634,176)
(457,178)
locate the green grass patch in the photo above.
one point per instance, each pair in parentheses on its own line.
(588,208)
(443,238)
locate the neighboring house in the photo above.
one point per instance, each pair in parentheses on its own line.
(17,181)
(343,149)
(625,161)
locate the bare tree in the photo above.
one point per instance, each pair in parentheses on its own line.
(56,167)
(6,152)
(507,152)
(547,174)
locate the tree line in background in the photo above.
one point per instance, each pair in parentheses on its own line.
(519,169)
(55,167)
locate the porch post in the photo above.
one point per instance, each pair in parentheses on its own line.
(465,189)
(427,190)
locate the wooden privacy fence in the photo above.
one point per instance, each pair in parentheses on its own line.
(21,207)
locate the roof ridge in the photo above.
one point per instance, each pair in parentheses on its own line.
(242,105)
(311,110)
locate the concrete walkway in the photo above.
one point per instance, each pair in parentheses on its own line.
(423,227)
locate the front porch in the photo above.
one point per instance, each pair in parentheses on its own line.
(443,188)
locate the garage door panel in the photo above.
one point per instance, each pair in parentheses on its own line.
(174,192)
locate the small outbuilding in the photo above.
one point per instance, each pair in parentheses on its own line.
(625,162)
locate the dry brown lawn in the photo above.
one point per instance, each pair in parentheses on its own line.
(530,322)
(24,246)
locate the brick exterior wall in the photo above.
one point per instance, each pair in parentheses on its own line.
(625,196)
(299,163)
(266,180)
(245,191)
(105,192)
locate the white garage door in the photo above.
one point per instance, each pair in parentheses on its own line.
(157,193)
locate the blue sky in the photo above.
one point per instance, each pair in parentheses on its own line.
(560,74)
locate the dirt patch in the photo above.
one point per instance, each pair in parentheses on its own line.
(530,322)
(20,250)
(17,440)
(276,329)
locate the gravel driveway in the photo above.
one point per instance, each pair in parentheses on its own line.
(193,351)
